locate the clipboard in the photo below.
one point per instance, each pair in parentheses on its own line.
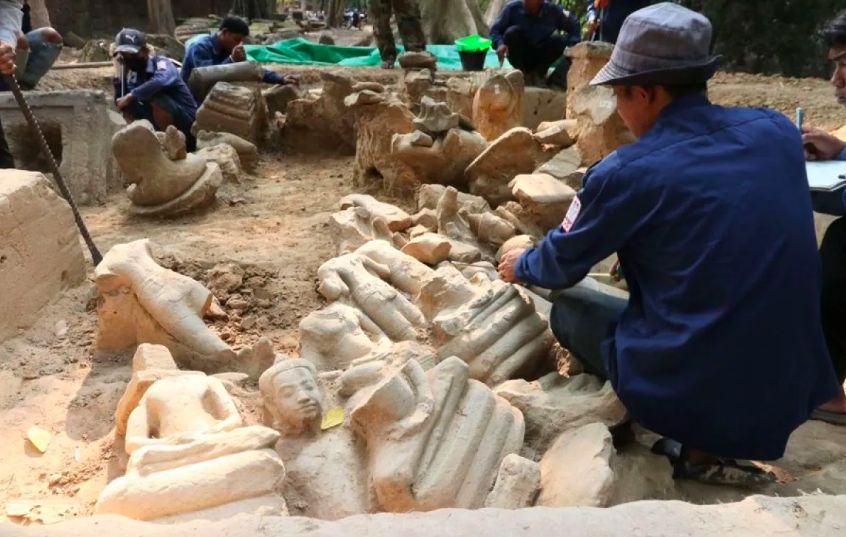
(826,176)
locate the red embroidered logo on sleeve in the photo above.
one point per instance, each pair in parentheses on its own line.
(572,214)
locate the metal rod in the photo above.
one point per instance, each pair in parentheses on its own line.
(12,83)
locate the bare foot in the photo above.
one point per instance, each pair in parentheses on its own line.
(838,404)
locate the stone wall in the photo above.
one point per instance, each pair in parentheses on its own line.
(40,252)
(106,17)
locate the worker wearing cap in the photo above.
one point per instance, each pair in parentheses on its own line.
(605,17)
(525,31)
(719,346)
(224,47)
(149,87)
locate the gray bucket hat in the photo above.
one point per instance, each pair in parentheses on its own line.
(661,44)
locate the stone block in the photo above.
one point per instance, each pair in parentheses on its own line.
(586,59)
(562,133)
(566,166)
(601,129)
(40,252)
(513,153)
(577,471)
(235,109)
(542,104)
(543,196)
(516,484)
(78,129)
(554,404)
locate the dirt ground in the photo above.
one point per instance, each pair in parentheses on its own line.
(271,231)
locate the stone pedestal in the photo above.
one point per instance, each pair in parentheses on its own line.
(78,128)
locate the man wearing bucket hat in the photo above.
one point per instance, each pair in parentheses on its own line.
(719,347)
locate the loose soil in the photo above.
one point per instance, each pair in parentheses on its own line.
(258,248)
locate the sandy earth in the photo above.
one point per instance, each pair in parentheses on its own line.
(272,231)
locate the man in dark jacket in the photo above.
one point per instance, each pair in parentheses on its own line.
(148,87)
(605,17)
(526,32)
(819,145)
(223,47)
(719,347)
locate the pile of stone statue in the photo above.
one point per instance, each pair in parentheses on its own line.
(409,391)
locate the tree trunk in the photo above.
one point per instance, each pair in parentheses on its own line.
(336,13)
(494,9)
(161,17)
(444,21)
(251,9)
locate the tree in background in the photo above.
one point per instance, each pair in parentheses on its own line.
(766,36)
(253,9)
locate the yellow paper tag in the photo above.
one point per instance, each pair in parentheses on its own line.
(332,418)
(39,438)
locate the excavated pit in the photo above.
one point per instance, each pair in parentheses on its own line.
(258,249)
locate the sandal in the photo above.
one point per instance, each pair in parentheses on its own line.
(828,416)
(724,472)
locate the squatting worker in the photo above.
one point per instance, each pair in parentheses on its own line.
(525,32)
(819,145)
(10,26)
(719,346)
(148,87)
(223,47)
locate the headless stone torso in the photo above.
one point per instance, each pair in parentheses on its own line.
(185,405)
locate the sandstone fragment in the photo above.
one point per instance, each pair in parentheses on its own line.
(554,404)
(577,470)
(515,152)
(234,109)
(544,196)
(247,151)
(517,484)
(498,104)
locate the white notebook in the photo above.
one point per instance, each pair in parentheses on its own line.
(826,175)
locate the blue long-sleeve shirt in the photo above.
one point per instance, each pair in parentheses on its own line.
(160,76)
(612,16)
(721,345)
(204,51)
(833,203)
(550,19)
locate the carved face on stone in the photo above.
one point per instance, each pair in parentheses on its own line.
(292,396)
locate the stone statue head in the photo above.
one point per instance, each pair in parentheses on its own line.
(292,396)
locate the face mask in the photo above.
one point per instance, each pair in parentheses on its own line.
(136,64)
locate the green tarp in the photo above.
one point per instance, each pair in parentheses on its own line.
(304,52)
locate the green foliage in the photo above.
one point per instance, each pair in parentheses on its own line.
(769,36)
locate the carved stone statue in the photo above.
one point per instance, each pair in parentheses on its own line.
(292,396)
(325,472)
(498,104)
(140,301)
(189,452)
(164,180)
(434,439)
